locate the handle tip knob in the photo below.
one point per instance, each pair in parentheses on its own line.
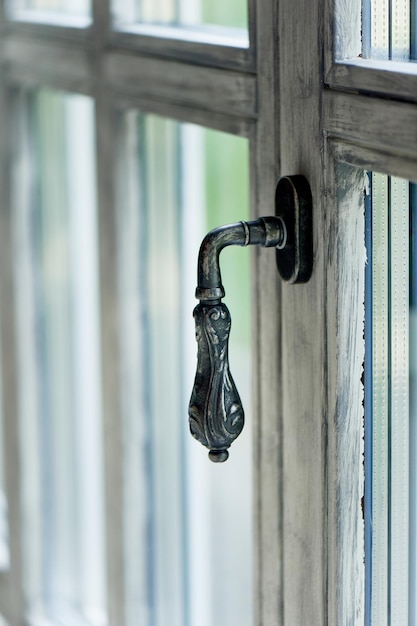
(218,456)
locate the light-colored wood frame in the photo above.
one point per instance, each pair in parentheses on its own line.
(336,122)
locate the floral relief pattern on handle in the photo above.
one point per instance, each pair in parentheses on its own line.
(215,411)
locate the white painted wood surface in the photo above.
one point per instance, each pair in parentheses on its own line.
(345,350)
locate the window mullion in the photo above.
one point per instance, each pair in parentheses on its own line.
(110,368)
(13,609)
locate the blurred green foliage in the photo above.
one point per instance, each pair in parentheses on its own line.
(227,200)
(225,12)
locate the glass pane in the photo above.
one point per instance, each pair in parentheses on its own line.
(413,404)
(4,527)
(58,331)
(188,528)
(390,430)
(53,9)
(389,29)
(200,13)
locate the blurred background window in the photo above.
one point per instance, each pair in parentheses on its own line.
(87,491)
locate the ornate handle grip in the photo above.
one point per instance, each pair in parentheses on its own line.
(216,412)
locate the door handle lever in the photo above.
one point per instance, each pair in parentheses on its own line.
(215,411)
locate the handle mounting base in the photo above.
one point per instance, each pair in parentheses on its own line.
(293,204)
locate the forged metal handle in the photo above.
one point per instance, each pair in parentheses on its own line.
(215,412)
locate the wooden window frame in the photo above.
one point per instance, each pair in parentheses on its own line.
(302,115)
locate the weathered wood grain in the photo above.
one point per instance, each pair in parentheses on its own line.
(212,89)
(304,328)
(374,160)
(267,323)
(345,358)
(394,79)
(384,125)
